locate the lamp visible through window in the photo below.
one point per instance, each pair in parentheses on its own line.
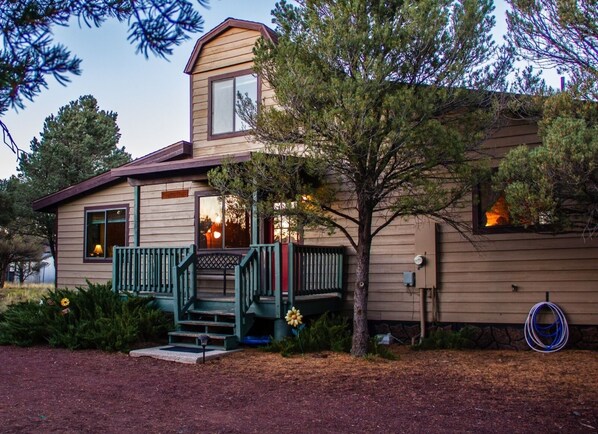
(98,251)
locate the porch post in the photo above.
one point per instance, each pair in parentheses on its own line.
(255,221)
(136,206)
(281,328)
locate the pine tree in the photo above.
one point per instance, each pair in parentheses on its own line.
(382,101)
(76,144)
(29,54)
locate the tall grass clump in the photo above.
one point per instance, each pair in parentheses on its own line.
(90,317)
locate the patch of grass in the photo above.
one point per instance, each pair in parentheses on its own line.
(13,294)
(91,317)
(444,339)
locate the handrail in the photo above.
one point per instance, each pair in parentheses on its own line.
(146,269)
(258,274)
(185,285)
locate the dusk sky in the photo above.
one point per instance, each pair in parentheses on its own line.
(151,96)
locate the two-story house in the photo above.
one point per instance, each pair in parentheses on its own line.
(156,226)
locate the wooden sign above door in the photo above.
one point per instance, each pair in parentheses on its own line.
(173,194)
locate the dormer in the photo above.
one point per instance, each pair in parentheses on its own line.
(219,68)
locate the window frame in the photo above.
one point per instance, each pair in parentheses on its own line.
(228,76)
(105,208)
(198,196)
(477,220)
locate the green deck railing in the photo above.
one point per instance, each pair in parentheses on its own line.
(314,270)
(306,270)
(258,274)
(148,269)
(185,284)
(310,270)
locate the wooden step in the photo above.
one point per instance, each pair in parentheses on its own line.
(190,334)
(225,313)
(207,323)
(226,341)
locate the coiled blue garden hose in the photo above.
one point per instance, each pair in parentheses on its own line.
(546,338)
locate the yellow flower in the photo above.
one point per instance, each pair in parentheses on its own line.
(65,302)
(294,317)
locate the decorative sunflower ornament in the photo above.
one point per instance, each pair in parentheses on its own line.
(294,317)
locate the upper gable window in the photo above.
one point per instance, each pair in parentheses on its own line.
(225,92)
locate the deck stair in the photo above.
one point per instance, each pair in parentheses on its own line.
(218,325)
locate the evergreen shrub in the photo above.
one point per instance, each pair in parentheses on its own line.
(376,349)
(326,333)
(447,339)
(91,317)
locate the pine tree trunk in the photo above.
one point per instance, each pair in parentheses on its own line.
(21,273)
(4,264)
(361,334)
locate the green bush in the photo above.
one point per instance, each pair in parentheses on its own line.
(24,324)
(376,349)
(326,333)
(446,339)
(95,317)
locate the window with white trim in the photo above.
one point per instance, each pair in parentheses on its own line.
(225,94)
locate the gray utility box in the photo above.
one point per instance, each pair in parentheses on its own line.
(409,278)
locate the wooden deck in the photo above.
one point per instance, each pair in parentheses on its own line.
(312,281)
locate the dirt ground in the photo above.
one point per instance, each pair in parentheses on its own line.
(55,390)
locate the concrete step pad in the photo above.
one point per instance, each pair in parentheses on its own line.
(181,353)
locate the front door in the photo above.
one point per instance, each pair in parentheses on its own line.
(279,229)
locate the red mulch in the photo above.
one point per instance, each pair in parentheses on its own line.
(55,390)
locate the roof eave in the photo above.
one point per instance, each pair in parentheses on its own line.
(198,166)
(177,151)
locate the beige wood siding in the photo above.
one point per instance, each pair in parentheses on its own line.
(228,53)
(474,282)
(166,222)
(72,271)
(169,222)
(475,285)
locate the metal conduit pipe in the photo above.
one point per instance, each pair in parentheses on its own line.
(422,313)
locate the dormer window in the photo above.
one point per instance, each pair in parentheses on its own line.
(225,92)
